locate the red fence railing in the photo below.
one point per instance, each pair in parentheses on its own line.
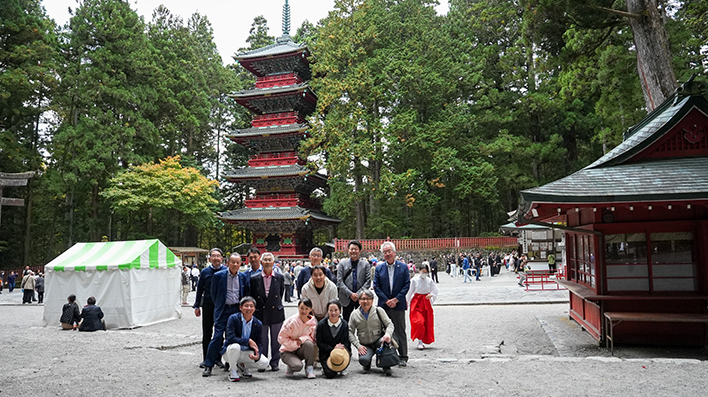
(422,244)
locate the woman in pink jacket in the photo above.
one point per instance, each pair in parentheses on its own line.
(297,340)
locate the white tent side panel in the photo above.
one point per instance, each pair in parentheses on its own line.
(129,298)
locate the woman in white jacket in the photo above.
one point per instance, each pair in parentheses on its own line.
(320,290)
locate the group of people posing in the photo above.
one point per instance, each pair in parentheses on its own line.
(243,318)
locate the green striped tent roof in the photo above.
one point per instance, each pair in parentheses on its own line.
(123,255)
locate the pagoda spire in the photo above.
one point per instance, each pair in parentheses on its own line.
(286,19)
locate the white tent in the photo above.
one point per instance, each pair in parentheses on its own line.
(136,283)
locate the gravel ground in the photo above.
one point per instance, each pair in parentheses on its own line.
(498,350)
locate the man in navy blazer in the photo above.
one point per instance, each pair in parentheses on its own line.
(267,288)
(391,284)
(243,348)
(228,286)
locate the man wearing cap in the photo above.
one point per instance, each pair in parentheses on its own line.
(353,276)
(228,286)
(203,303)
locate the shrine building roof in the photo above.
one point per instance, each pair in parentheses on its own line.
(663,157)
(267,131)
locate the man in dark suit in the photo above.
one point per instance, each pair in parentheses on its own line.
(267,288)
(391,284)
(434,270)
(352,279)
(228,286)
(306,273)
(203,305)
(242,348)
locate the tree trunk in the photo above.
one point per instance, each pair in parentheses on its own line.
(654,65)
(359,204)
(28,224)
(94,213)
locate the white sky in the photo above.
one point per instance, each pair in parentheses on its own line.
(231,20)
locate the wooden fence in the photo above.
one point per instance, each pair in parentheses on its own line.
(425,244)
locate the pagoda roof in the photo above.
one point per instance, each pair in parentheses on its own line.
(663,157)
(265,132)
(276,213)
(275,171)
(257,92)
(283,46)
(297,97)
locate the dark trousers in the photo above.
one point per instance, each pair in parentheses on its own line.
(194,283)
(217,340)
(40,296)
(288,293)
(270,338)
(207,326)
(434,276)
(398,317)
(348,310)
(27,296)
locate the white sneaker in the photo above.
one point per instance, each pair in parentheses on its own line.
(420,345)
(233,375)
(310,372)
(244,371)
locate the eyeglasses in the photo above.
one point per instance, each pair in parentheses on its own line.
(364,298)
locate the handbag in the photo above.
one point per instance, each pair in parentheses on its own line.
(386,356)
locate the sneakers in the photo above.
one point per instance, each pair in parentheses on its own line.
(233,375)
(244,371)
(421,346)
(289,373)
(310,372)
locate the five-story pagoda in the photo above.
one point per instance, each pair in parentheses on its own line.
(281,214)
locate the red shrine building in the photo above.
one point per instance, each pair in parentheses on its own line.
(637,229)
(281,214)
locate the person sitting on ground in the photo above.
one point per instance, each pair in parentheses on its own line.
(241,350)
(297,340)
(319,290)
(70,314)
(365,332)
(333,341)
(92,317)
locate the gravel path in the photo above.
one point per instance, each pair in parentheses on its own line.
(496,349)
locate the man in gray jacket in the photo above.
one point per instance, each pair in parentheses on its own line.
(352,279)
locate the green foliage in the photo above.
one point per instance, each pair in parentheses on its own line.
(160,191)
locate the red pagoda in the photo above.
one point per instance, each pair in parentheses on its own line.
(281,214)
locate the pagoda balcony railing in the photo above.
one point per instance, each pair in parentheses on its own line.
(284,118)
(434,243)
(272,159)
(278,80)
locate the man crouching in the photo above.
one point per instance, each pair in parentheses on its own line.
(241,350)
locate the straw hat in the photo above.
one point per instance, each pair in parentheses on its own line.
(338,360)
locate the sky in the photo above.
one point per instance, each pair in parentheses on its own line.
(231,20)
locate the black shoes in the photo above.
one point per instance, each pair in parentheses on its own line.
(387,371)
(367,367)
(219,364)
(402,363)
(207,371)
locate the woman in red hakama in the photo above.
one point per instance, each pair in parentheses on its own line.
(420,297)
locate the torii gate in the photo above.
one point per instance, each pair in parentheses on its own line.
(14,179)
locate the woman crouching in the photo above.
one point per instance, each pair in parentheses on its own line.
(365,330)
(297,340)
(333,341)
